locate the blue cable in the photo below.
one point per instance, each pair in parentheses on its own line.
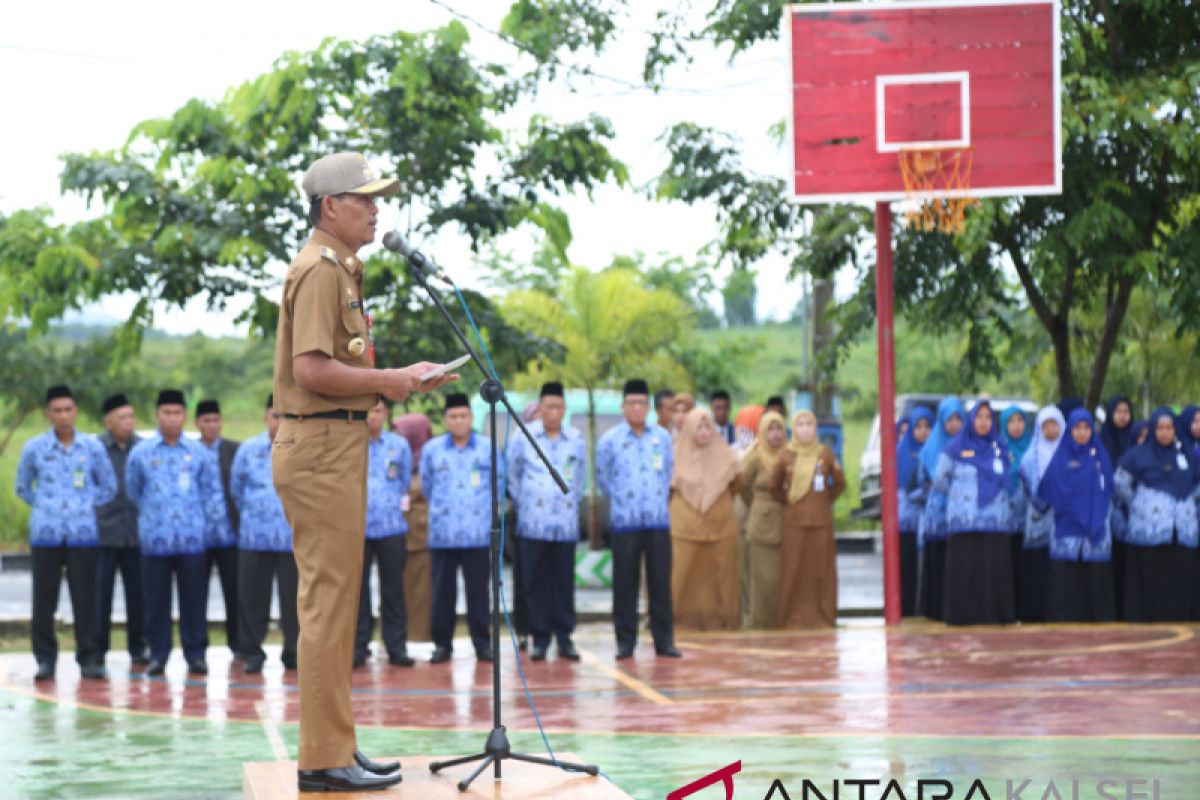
(512,635)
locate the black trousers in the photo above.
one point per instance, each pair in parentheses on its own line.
(629,550)
(257,571)
(908,573)
(474,562)
(191,579)
(129,561)
(226,561)
(49,564)
(549,588)
(390,553)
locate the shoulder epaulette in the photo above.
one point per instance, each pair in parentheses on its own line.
(330,255)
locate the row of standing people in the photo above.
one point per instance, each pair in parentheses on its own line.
(1060,521)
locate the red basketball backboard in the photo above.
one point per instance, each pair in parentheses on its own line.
(874,81)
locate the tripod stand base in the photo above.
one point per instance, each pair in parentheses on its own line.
(276,780)
(496,751)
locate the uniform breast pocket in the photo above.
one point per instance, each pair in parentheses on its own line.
(352,340)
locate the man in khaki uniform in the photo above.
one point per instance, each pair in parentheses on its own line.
(324,384)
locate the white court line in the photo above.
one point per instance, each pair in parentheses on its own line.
(278,748)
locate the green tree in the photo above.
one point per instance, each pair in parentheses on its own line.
(610,327)
(739,295)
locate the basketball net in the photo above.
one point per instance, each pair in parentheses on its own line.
(928,172)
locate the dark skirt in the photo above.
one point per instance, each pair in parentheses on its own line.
(979,580)
(932,586)
(1034,567)
(908,574)
(1080,591)
(1118,565)
(1159,582)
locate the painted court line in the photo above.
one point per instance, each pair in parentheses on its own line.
(278,748)
(625,679)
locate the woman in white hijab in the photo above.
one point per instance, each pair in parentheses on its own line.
(1033,564)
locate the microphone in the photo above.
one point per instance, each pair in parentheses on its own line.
(426,266)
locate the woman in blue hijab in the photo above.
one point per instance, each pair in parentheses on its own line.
(974,472)
(1032,565)
(1116,434)
(908,461)
(1158,481)
(931,531)
(1078,486)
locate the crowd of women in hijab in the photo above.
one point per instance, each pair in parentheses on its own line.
(1061,520)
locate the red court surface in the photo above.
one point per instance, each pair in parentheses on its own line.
(918,680)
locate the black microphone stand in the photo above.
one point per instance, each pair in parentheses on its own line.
(496,749)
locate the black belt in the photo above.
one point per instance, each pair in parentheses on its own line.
(341,413)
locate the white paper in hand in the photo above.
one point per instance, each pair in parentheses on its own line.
(444,368)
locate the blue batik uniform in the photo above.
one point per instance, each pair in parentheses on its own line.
(217,535)
(957,480)
(1156,517)
(63,486)
(457,483)
(263,525)
(634,472)
(264,552)
(179,495)
(548,528)
(543,511)
(389,473)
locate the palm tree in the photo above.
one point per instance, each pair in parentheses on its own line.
(611,327)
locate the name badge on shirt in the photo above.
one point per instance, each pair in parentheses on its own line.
(406,504)
(657,461)
(569,471)
(393,471)
(475,479)
(79,478)
(185,481)
(998,466)
(1181,460)
(818,482)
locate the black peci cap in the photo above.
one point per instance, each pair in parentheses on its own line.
(170,397)
(112,403)
(58,392)
(207,407)
(636,386)
(719,394)
(552,389)
(456,400)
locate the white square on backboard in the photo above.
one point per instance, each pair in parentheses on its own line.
(963,79)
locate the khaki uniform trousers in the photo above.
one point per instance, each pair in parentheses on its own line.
(320,472)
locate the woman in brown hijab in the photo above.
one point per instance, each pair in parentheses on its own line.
(681,406)
(418,566)
(808,480)
(705,578)
(766,519)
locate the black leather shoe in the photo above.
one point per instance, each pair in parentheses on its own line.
(377,767)
(344,779)
(254,664)
(93,671)
(289,663)
(45,672)
(669,652)
(198,667)
(624,653)
(401,660)
(485,655)
(140,660)
(156,668)
(567,650)
(523,643)
(440,655)
(538,653)
(359,660)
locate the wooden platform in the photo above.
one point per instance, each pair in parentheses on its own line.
(276,780)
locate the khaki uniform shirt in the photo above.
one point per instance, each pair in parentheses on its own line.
(322,311)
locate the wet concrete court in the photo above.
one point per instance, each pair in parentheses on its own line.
(862,702)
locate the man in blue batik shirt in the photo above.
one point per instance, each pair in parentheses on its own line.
(634,462)
(264,550)
(548,522)
(456,479)
(177,487)
(63,475)
(389,473)
(221,540)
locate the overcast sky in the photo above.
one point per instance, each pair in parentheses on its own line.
(78,76)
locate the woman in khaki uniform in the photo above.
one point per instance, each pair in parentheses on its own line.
(766,520)
(418,567)
(705,574)
(808,480)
